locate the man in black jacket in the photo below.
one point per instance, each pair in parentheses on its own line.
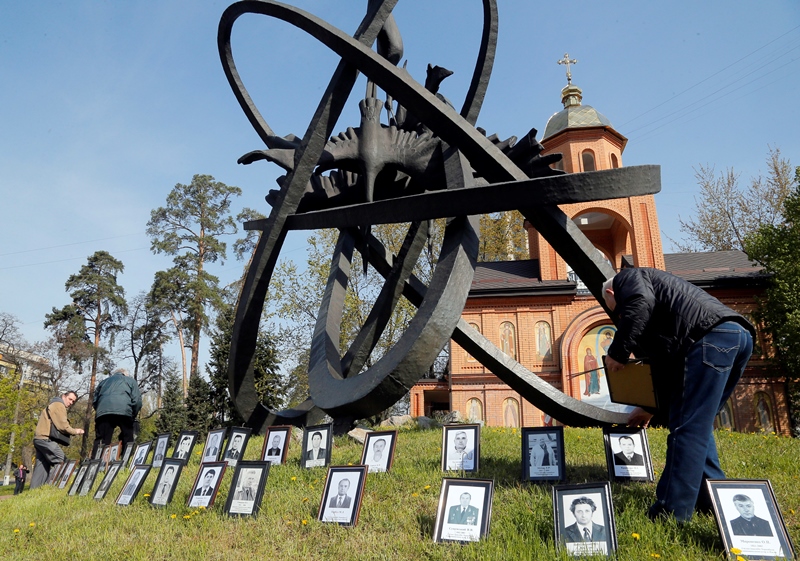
(698,349)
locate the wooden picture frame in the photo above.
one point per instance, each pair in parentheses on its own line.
(378,453)
(126,455)
(584,508)
(76,483)
(749,520)
(543,454)
(276,444)
(341,498)
(237,444)
(139,457)
(166,482)
(89,478)
(461,445)
(111,473)
(317,444)
(184,445)
(206,484)
(247,488)
(215,441)
(135,482)
(66,473)
(160,450)
(465,510)
(55,473)
(628,454)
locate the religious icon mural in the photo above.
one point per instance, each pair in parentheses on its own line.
(511,412)
(763,411)
(475,409)
(474,326)
(592,348)
(544,339)
(508,339)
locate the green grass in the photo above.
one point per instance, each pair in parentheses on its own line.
(398,512)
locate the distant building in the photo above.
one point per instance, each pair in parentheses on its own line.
(539,313)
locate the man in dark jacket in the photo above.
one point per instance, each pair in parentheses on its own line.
(698,349)
(117,401)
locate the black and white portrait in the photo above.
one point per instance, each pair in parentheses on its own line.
(66,473)
(167,478)
(205,486)
(237,442)
(628,454)
(133,484)
(543,454)
(213,445)
(460,447)
(341,499)
(276,442)
(316,446)
(140,455)
(379,449)
(464,510)
(247,488)
(184,446)
(111,474)
(76,483)
(88,480)
(161,450)
(584,519)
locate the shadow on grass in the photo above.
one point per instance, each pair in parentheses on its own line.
(425,523)
(586,473)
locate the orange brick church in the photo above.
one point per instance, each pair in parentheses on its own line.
(541,315)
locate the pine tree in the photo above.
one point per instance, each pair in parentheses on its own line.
(172,417)
(199,407)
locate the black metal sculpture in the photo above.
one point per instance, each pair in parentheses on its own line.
(428,162)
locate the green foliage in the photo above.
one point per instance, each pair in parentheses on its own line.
(199,409)
(189,228)
(172,416)
(398,510)
(777,248)
(503,237)
(726,213)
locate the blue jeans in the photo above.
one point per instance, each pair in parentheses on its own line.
(712,368)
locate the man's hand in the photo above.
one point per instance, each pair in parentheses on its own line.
(639,418)
(612,365)
(79,431)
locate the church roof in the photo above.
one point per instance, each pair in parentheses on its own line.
(574,115)
(515,278)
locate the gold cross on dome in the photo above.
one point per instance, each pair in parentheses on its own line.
(566,60)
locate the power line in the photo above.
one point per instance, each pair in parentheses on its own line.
(68,244)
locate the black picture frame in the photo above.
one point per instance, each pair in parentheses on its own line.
(764,535)
(76,483)
(198,496)
(139,457)
(126,455)
(543,454)
(461,452)
(214,446)
(66,473)
(160,450)
(184,445)
(111,473)
(465,510)
(276,444)
(349,482)
(572,504)
(313,449)
(247,488)
(621,442)
(55,473)
(378,453)
(135,482)
(166,482)
(89,478)
(237,444)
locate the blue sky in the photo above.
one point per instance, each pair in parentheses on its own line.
(105,106)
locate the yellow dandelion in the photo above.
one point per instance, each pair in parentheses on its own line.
(201,507)
(197,453)
(305,499)
(656,555)
(173,516)
(305,522)
(635,536)
(147,495)
(294,478)
(32,525)
(288,522)
(740,558)
(791,511)
(16,530)
(310,486)
(415,494)
(195,512)
(735,550)
(427,487)
(186,517)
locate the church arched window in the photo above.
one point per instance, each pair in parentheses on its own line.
(762,407)
(614,161)
(475,409)
(511,412)
(724,419)
(587,159)
(477,328)
(508,339)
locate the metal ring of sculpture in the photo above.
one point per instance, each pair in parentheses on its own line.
(335,384)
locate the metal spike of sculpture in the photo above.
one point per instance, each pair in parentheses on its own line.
(428,162)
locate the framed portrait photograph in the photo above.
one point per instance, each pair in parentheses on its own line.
(749,520)
(110,454)
(213,446)
(97,453)
(166,482)
(341,498)
(317,441)
(111,474)
(69,467)
(543,454)
(627,454)
(465,510)
(55,473)
(133,484)
(584,519)
(76,483)
(247,488)
(126,455)
(140,455)
(89,478)
(237,443)
(378,454)
(276,444)
(206,485)
(461,447)
(160,454)
(184,445)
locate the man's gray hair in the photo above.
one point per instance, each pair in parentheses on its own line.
(608,284)
(122,371)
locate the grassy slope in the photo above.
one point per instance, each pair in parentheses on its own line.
(398,512)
